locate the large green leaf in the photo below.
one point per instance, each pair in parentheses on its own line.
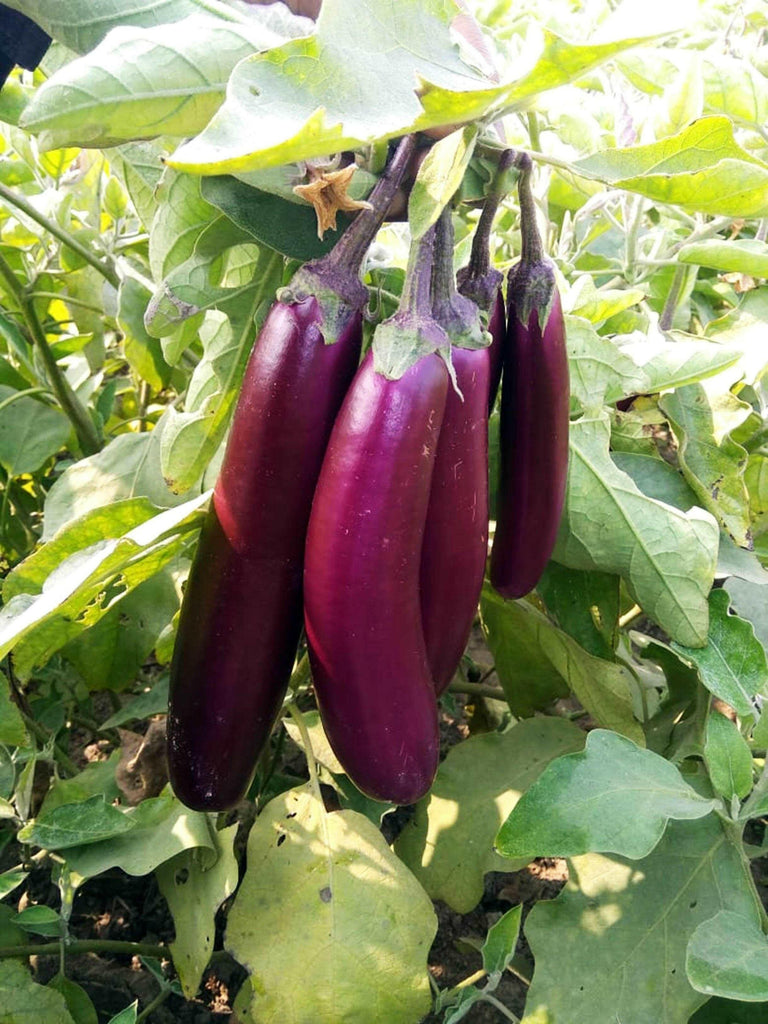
(604,688)
(448,843)
(128,467)
(22,1001)
(713,465)
(143,352)
(671,364)
(143,82)
(181,217)
(322,94)
(12,730)
(667,557)
(626,925)
(737,255)
(750,601)
(78,589)
(531,682)
(194,889)
(30,433)
(733,664)
(613,797)
(331,925)
(702,169)
(728,956)
(585,605)
(599,371)
(161,829)
(111,653)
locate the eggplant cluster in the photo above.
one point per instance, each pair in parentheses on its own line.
(354,499)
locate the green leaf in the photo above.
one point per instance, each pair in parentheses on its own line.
(143,82)
(701,168)
(733,664)
(97,778)
(599,371)
(128,1015)
(286,227)
(40,920)
(748,600)
(191,438)
(626,924)
(531,682)
(30,433)
(128,467)
(110,654)
(448,843)
(604,688)
(143,352)
(315,917)
(728,956)
(713,466)
(195,889)
(139,167)
(738,255)
(671,364)
(77,999)
(10,880)
(76,589)
(613,797)
(152,702)
(181,218)
(76,825)
(313,96)
(438,179)
(728,757)
(161,828)
(24,1002)
(596,305)
(321,748)
(100,524)
(500,943)
(585,605)
(12,730)
(667,557)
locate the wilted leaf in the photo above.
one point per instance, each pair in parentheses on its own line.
(195,888)
(328,921)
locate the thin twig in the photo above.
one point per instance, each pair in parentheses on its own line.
(107,270)
(68,400)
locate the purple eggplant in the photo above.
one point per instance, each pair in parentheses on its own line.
(456,536)
(242,610)
(362,567)
(481,282)
(534,415)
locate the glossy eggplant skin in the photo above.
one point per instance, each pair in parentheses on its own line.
(242,611)
(533,449)
(497,328)
(361,581)
(456,536)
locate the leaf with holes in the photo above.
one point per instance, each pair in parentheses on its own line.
(328,921)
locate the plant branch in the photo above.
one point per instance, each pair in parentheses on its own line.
(106,269)
(44,736)
(68,400)
(478,690)
(301,725)
(113,946)
(159,999)
(673,299)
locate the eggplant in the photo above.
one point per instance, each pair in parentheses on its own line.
(242,610)
(363,556)
(534,414)
(481,282)
(456,535)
